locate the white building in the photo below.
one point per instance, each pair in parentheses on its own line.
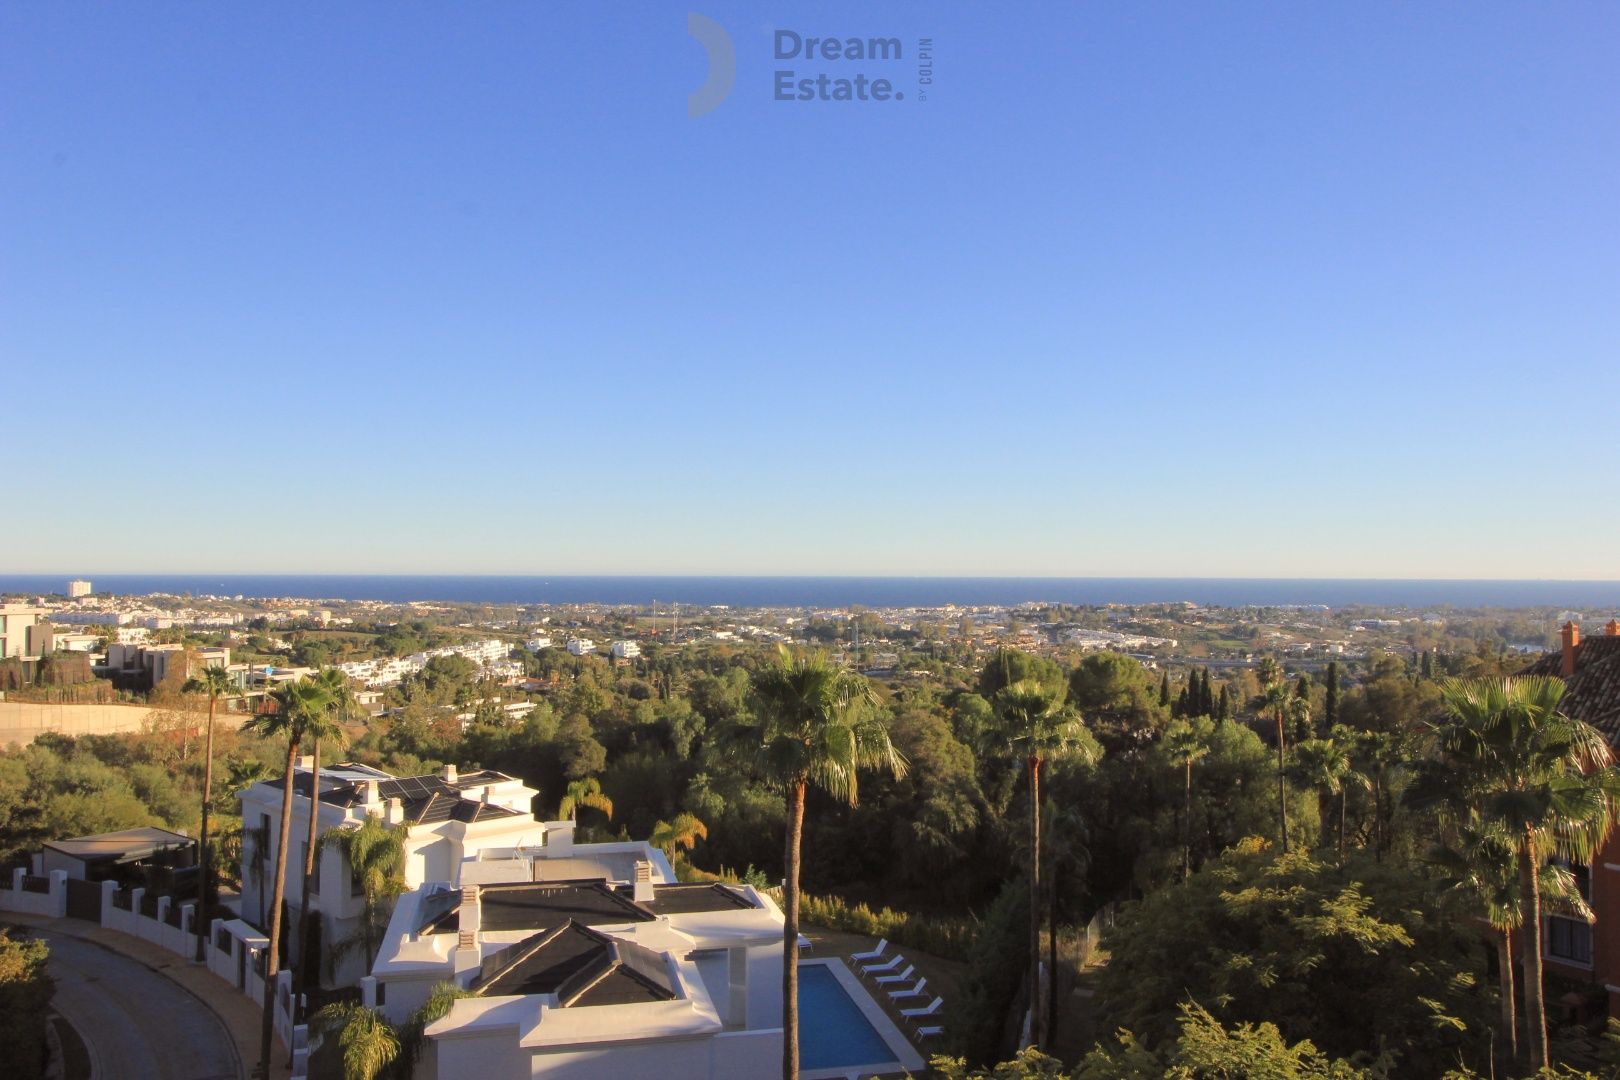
(538,642)
(592,977)
(581,646)
(24,631)
(451,819)
(78,588)
(626,650)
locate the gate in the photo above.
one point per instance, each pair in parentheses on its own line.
(84,900)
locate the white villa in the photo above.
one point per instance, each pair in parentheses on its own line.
(451,819)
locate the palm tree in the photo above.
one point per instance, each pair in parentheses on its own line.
(297,706)
(1186,744)
(440,1000)
(338,708)
(368,1043)
(216,683)
(1035,722)
(1275,698)
(375,854)
(814,725)
(1380,754)
(1481,867)
(684,832)
(586,792)
(1065,833)
(1546,780)
(1324,764)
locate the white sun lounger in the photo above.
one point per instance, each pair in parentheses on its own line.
(904,976)
(878,967)
(920,990)
(926,1010)
(870,954)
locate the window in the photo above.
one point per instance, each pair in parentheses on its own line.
(1568,939)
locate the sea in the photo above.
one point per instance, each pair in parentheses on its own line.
(840,592)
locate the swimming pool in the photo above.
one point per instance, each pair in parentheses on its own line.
(833,1031)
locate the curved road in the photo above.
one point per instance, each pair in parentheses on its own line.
(135,1022)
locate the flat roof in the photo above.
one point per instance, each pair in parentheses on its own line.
(122,845)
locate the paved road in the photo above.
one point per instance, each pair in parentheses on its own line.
(136,1022)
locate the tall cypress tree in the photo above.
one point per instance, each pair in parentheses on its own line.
(1207,705)
(1226,702)
(1330,710)
(1164,690)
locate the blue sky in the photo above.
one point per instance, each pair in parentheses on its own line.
(1181,289)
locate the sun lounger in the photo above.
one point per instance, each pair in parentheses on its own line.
(920,990)
(879,967)
(870,954)
(904,976)
(926,1010)
(930,1032)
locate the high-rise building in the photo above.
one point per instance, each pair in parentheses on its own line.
(78,588)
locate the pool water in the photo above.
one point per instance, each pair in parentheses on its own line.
(833,1033)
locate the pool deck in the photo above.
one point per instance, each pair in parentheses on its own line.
(906,1059)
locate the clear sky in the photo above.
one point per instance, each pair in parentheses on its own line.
(1141,289)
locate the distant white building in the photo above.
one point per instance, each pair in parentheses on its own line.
(625,650)
(538,642)
(581,646)
(490,654)
(78,588)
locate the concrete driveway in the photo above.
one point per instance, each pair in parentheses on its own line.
(135,1022)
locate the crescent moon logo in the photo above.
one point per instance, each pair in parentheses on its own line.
(722,64)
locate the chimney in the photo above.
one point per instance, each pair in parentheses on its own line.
(1612,628)
(1572,639)
(470,919)
(370,793)
(644,884)
(307,761)
(396,812)
(449,774)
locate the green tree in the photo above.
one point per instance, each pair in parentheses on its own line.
(1330,702)
(339,705)
(1274,700)
(682,833)
(368,1043)
(1325,765)
(215,682)
(815,725)
(25,1002)
(1346,955)
(1546,779)
(1039,727)
(1186,742)
(1481,867)
(298,706)
(375,854)
(584,792)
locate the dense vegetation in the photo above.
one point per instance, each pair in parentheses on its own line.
(1163,795)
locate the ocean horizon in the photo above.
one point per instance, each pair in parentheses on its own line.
(833,592)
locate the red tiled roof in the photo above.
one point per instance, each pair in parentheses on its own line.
(1592,693)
